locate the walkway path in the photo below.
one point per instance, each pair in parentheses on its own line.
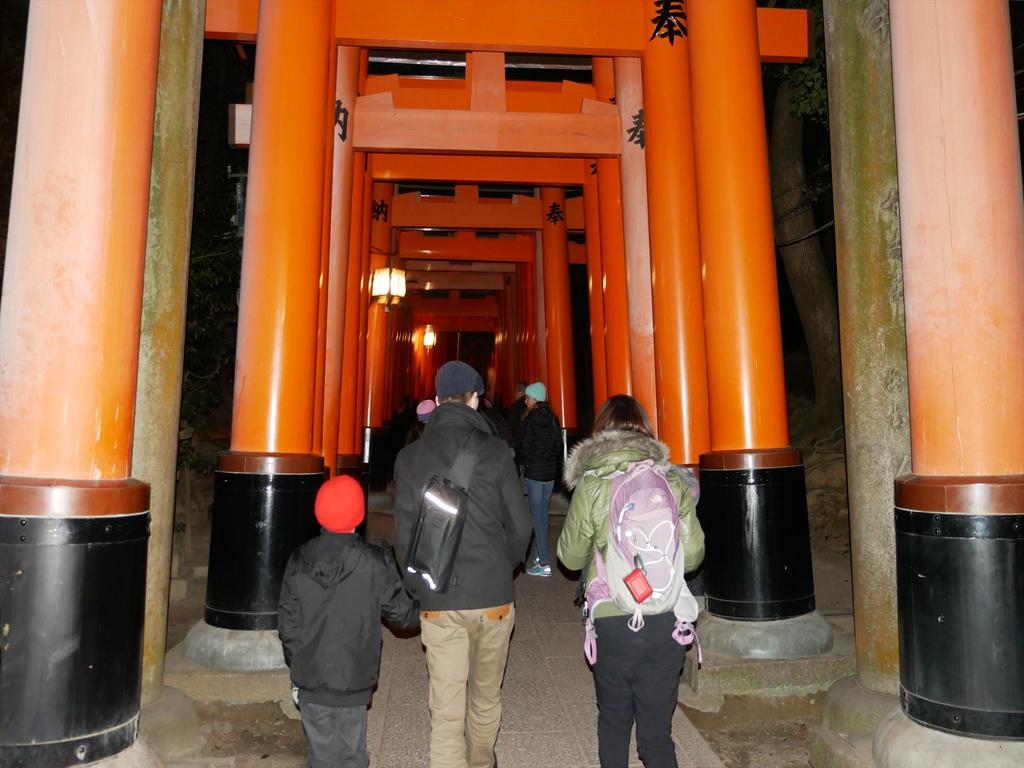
(549,710)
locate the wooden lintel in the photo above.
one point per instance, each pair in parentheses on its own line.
(785,35)
(450,93)
(581,27)
(453,281)
(466,246)
(441,323)
(453,307)
(478,169)
(451,265)
(380,127)
(413,210)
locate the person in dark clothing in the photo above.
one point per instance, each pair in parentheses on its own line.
(336,590)
(539,452)
(498,423)
(517,412)
(466,630)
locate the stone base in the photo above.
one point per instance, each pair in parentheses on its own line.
(834,750)
(138,755)
(902,743)
(170,725)
(850,708)
(235,650)
(722,675)
(807,635)
(206,684)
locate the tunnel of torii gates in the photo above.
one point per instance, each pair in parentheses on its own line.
(668,146)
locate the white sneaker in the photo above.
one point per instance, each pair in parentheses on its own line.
(538,570)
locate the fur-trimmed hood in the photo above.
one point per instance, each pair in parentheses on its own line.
(595,453)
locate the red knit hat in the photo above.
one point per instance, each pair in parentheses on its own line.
(340,506)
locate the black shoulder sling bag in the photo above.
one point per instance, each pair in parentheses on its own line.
(444,504)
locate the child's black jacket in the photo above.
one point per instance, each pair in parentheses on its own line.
(336,590)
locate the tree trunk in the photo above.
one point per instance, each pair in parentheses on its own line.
(804,262)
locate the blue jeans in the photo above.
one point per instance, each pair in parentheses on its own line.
(539,493)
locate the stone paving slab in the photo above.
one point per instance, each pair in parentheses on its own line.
(549,713)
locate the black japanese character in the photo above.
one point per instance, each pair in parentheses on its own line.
(636,133)
(341,120)
(669,20)
(593,168)
(379,210)
(554,214)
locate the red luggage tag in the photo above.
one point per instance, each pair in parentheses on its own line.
(638,586)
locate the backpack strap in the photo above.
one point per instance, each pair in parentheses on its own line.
(462,467)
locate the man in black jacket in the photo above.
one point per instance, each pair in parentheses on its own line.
(517,412)
(336,590)
(466,629)
(539,452)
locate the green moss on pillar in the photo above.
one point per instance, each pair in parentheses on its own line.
(163,307)
(873,337)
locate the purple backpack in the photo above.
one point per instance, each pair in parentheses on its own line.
(643,536)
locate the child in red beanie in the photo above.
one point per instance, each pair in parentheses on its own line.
(335,592)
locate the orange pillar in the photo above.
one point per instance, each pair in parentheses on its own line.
(741,305)
(73,278)
(522,325)
(348,444)
(536,356)
(364,311)
(343,178)
(752,576)
(633,172)
(962,261)
(595,290)
(267,483)
(561,374)
(613,254)
(275,359)
(377,320)
(960,515)
(325,264)
(675,250)
(69,344)
(523,372)
(539,314)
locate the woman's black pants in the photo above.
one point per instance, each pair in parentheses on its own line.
(637,678)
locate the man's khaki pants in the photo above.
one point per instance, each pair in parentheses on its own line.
(466,654)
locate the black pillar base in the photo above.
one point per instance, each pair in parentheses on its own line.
(262,510)
(960,592)
(753,509)
(72,602)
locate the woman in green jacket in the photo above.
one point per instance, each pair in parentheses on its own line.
(637,673)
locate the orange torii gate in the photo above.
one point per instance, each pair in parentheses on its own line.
(580,27)
(73,521)
(484,115)
(301,280)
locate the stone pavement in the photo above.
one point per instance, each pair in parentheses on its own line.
(549,711)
